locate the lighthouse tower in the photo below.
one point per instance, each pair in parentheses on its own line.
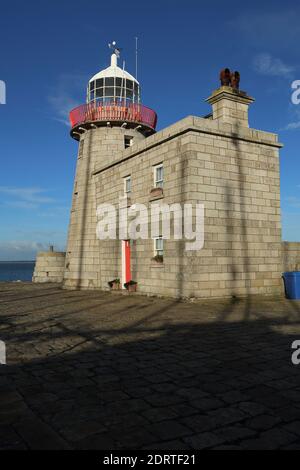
(112,119)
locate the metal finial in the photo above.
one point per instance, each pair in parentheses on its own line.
(113,46)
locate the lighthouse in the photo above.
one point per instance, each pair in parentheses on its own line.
(112,120)
(218,161)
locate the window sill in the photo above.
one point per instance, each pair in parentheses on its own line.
(156,193)
(155,264)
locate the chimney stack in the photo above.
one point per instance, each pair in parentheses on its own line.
(230,105)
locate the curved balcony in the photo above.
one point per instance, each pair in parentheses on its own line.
(100,114)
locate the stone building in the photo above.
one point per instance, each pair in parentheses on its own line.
(217,160)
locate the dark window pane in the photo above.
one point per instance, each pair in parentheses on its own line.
(92,85)
(129,94)
(128,141)
(118,81)
(129,84)
(99,83)
(92,95)
(109,81)
(109,91)
(99,92)
(119,92)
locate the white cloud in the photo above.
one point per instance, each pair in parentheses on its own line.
(295,123)
(62,104)
(20,250)
(67,95)
(265,64)
(22,205)
(292,126)
(24,198)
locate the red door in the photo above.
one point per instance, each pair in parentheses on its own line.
(126,268)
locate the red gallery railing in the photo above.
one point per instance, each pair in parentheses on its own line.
(99,111)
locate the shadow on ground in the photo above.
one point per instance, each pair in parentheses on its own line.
(101,371)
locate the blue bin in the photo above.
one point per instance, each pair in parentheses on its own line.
(292,285)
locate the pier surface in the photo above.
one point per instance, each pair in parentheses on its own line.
(94,370)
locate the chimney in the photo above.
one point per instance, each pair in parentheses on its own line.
(230,105)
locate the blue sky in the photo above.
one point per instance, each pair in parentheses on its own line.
(49,50)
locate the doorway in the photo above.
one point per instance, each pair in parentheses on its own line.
(126,267)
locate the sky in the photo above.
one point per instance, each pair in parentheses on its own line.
(49,51)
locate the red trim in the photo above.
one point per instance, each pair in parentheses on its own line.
(127,261)
(99,111)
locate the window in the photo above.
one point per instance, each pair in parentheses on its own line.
(127,185)
(159,176)
(109,81)
(99,92)
(128,141)
(158,246)
(119,92)
(113,87)
(109,92)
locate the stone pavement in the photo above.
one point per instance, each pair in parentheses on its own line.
(94,370)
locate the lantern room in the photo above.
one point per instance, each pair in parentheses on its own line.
(113,84)
(113,99)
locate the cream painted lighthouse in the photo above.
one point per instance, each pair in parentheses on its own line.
(112,120)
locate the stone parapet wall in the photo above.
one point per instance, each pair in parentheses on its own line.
(49,267)
(291,256)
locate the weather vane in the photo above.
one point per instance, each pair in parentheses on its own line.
(113,46)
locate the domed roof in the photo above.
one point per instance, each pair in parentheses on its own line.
(113,71)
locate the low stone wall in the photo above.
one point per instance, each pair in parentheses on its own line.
(49,267)
(291,256)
